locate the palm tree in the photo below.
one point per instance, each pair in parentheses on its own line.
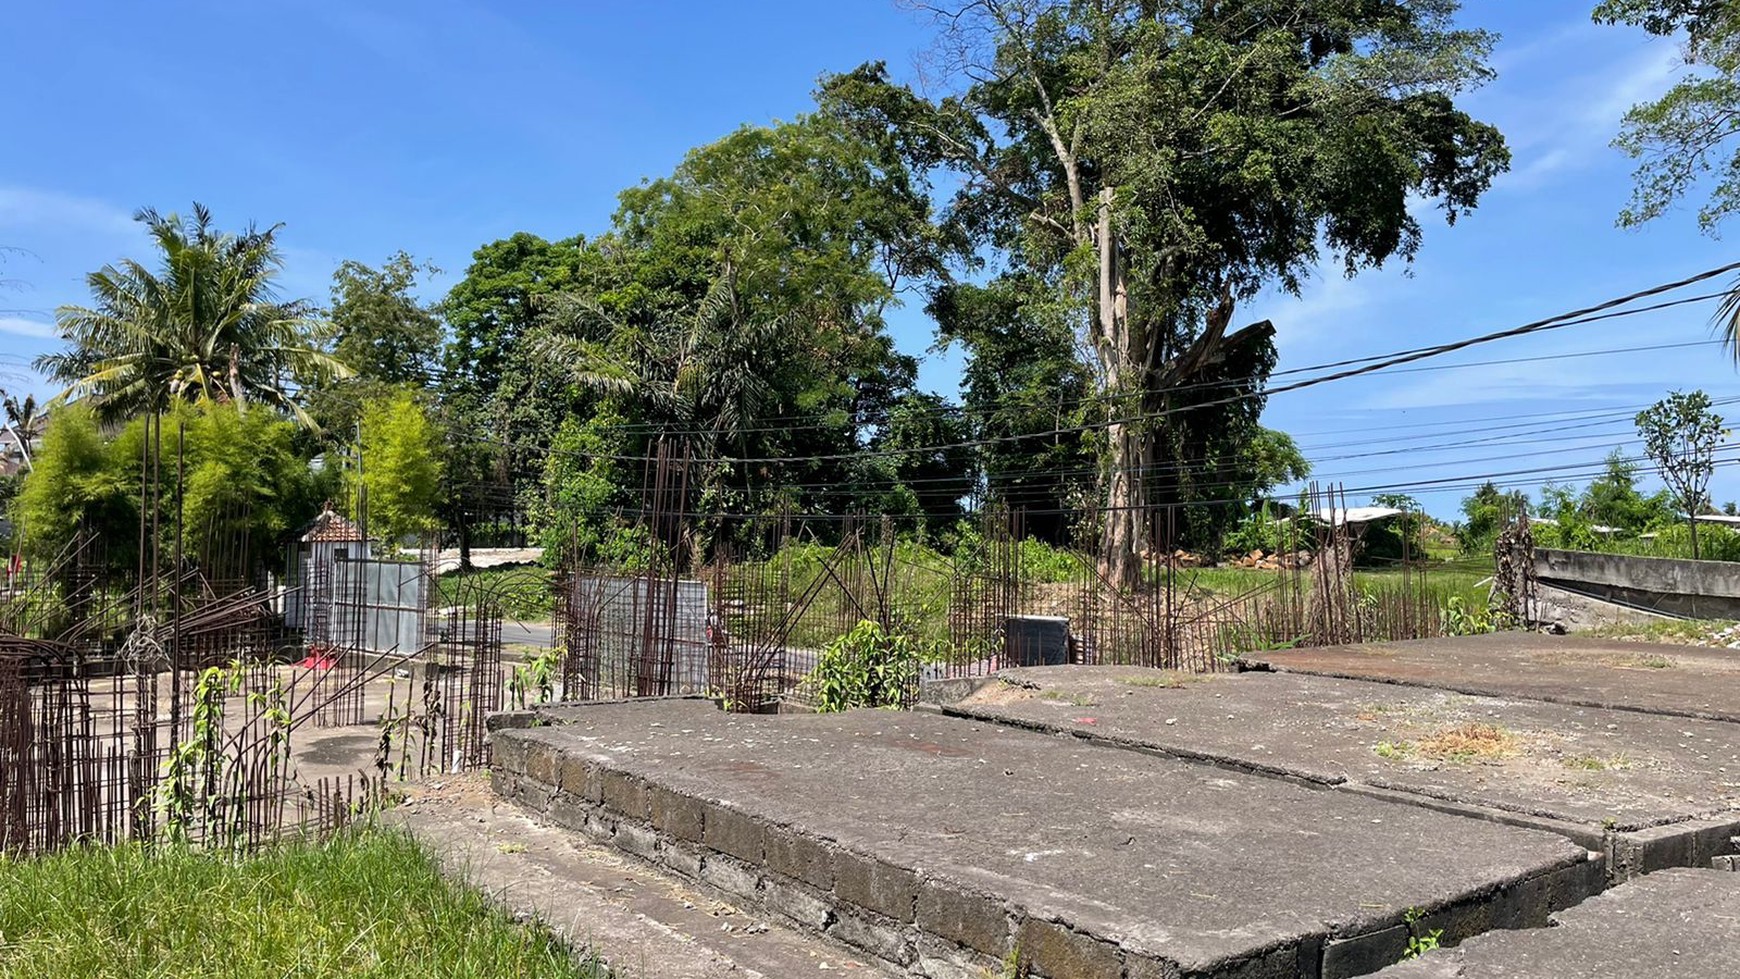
(22,421)
(705,374)
(1727,321)
(205,326)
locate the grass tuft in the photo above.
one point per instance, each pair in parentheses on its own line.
(1469,742)
(1167,681)
(369,903)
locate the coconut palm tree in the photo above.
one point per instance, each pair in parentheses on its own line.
(206,325)
(23,421)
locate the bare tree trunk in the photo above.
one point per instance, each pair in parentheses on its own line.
(1126,498)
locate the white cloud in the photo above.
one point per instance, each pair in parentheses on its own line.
(32,207)
(19,326)
(1561,116)
(1649,75)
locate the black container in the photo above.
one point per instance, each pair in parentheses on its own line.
(1035,640)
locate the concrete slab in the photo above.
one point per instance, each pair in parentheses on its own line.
(938,845)
(1649,791)
(1683,681)
(641,923)
(1678,924)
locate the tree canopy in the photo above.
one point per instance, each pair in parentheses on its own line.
(1157,162)
(1680,434)
(399,479)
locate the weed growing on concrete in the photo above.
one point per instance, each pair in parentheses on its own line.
(1393,750)
(534,681)
(1065,697)
(867,667)
(1169,682)
(1595,763)
(1465,618)
(1419,944)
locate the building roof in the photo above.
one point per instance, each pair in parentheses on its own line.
(1336,516)
(330,528)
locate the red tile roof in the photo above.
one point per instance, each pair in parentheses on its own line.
(329,528)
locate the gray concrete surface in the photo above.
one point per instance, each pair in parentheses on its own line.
(939,844)
(1684,681)
(1649,791)
(1678,924)
(643,924)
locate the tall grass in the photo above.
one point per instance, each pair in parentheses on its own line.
(369,903)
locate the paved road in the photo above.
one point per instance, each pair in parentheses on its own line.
(539,634)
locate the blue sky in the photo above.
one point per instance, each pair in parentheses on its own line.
(436,126)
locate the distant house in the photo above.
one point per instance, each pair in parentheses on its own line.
(332,537)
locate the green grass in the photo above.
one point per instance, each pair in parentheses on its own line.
(523,592)
(369,903)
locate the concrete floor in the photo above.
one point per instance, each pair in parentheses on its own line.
(1673,680)
(1649,790)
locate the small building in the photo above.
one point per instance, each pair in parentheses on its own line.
(328,541)
(343,596)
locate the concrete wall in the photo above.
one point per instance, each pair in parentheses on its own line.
(1670,586)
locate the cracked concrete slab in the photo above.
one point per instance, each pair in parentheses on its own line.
(1652,791)
(1680,681)
(1678,924)
(1097,862)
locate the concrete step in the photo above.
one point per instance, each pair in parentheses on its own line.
(643,924)
(1676,924)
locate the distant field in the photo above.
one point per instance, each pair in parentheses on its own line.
(369,903)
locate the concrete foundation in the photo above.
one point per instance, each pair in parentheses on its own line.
(1646,790)
(939,846)
(1683,681)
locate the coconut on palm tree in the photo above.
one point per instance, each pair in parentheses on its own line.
(206,325)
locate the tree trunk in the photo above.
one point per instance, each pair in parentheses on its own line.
(1126,499)
(1692,518)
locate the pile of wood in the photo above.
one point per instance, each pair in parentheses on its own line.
(1272,562)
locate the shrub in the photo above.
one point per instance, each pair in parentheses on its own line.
(867,667)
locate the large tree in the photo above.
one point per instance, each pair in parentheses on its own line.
(736,309)
(499,404)
(380,330)
(1162,160)
(1685,138)
(205,326)
(1025,394)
